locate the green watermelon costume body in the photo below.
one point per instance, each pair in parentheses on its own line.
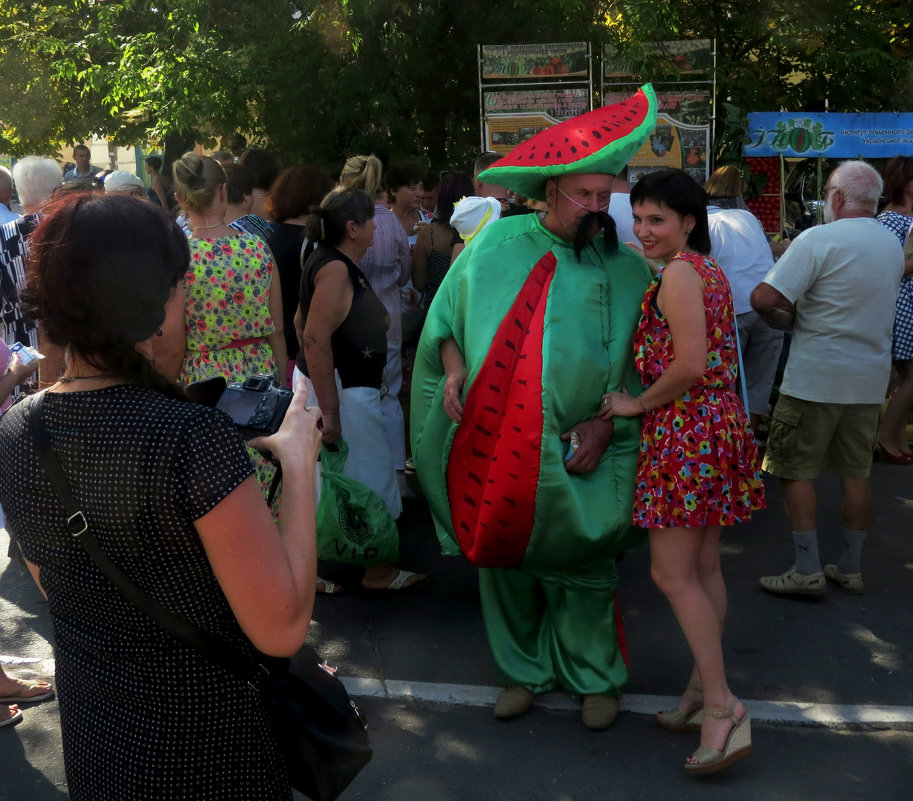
(543,336)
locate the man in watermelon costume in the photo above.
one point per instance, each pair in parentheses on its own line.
(523,338)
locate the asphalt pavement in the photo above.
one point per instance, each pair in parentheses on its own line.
(827,680)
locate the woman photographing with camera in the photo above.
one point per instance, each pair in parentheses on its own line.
(167,488)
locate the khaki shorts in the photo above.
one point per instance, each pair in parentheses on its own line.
(806,436)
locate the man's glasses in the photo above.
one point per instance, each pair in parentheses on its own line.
(604,208)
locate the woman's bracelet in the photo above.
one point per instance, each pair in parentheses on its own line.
(640,400)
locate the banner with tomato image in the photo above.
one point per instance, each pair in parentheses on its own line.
(690,57)
(833,135)
(558,59)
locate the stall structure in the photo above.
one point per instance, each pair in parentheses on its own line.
(775,140)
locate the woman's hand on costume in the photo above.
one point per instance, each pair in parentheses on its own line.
(594,439)
(621,404)
(453,392)
(298,436)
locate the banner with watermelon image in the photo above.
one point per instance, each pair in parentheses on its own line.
(831,135)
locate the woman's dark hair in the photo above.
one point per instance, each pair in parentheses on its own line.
(297,189)
(404,172)
(101,269)
(897,174)
(680,192)
(155,162)
(327,226)
(263,165)
(239,181)
(453,188)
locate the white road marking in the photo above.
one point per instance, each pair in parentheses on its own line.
(796,713)
(792,713)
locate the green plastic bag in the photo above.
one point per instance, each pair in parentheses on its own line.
(353,523)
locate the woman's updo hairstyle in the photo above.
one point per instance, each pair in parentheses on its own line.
(327,225)
(680,192)
(197,180)
(101,269)
(363,172)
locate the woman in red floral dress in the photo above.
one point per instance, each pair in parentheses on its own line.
(698,469)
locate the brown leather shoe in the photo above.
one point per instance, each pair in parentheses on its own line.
(599,711)
(513,702)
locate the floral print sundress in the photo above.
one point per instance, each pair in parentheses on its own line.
(226,316)
(698,462)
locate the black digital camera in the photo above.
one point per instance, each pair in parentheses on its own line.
(256,406)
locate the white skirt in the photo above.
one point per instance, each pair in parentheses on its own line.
(370,461)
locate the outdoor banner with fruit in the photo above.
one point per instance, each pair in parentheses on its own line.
(556,85)
(832,135)
(564,59)
(773,136)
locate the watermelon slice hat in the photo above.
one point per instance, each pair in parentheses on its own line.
(599,141)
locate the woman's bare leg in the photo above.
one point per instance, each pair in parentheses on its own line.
(675,556)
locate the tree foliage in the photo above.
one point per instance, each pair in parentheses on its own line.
(320,79)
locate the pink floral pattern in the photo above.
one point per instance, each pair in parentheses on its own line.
(227,302)
(228,286)
(698,458)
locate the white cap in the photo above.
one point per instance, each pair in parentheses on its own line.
(472,214)
(122,181)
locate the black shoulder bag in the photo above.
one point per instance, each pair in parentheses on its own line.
(319,731)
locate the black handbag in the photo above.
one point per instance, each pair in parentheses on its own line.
(321,734)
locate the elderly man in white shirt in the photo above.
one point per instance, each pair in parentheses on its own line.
(836,289)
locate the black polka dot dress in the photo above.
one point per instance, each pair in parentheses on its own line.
(142,716)
(902,340)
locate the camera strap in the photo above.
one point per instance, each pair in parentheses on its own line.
(274,486)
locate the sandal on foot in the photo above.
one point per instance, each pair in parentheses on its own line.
(848,582)
(399,582)
(40,691)
(738,745)
(792,582)
(15,715)
(688,720)
(886,456)
(324,587)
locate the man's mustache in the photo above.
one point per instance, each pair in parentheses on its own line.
(582,235)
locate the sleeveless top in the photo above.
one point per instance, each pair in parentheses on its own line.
(360,343)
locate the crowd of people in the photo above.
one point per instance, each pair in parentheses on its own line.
(568,351)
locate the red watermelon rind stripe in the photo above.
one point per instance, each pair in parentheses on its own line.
(494,461)
(518,172)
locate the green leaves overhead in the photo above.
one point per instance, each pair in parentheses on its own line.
(320,79)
